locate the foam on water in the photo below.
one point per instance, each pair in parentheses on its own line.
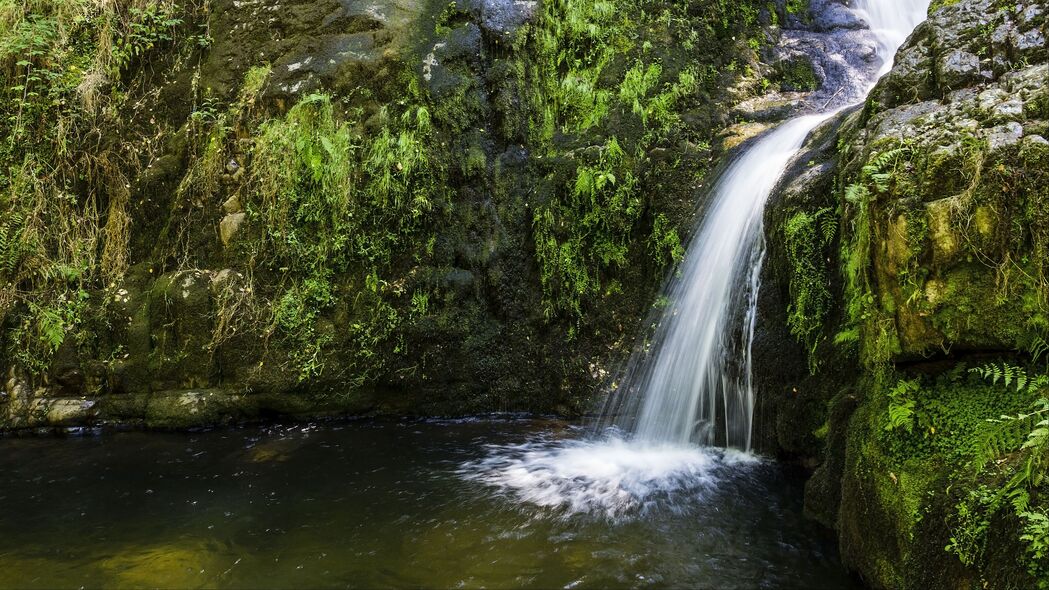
(610,477)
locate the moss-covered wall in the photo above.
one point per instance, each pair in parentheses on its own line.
(907,263)
(244,208)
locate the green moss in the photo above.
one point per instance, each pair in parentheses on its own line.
(331,203)
(797,7)
(797,75)
(806,238)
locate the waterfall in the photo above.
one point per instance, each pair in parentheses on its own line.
(687,376)
(692,382)
(689,388)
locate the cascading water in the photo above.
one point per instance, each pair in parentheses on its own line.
(697,369)
(686,379)
(692,385)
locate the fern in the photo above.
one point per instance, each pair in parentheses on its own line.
(1036,534)
(901,405)
(1019,447)
(1010,375)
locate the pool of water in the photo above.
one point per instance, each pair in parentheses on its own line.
(476,503)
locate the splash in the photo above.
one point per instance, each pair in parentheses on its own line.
(612,477)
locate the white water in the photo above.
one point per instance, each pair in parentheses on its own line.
(687,380)
(697,369)
(891,21)
(611,478)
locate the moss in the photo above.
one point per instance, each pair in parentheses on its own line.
(797,75)
(807,237)
(898,481)
(330,203)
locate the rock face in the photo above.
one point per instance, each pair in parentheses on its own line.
(462,265)
(955,223)
(933,197)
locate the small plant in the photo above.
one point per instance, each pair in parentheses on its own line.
(1012,450)
(807,236)
(901,405)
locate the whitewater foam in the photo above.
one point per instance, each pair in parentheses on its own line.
(610,477)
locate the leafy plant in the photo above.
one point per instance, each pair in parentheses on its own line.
(806,238)
(1013,450)
(902,404)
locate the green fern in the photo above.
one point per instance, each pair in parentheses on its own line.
(1018,447)
(1009,375)
(902,404)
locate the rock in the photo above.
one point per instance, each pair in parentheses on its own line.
(830,16)
(179,321)
(230,225)
(957,69)
(66,412)
(335,44)
(443,67)
(182,409)
(1004,136)
(769,108)
(180,564)
(504,17)
(955,161)
(1028,45)
(910,80)
(737,134)
(232,205)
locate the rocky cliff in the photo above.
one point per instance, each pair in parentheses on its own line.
(908,267)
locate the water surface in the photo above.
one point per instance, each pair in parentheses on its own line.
(480,503)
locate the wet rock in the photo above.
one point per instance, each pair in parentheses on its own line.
(739,133)
(504,17)
(334,44)
(957,69)
(910,80)
(833,15)
(768,108)
(450,62)
(66,412)
(182,409)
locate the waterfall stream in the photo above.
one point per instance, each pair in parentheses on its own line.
(689,387)
(687,378)
(692,383)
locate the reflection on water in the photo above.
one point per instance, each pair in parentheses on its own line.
(380,505)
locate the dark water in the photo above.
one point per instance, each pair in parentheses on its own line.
(372,506)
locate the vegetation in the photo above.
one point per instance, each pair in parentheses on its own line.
(64,209)
(334,205)
(578,79)
(1008,467)
(807,237)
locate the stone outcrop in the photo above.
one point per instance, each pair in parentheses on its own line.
(935,190)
